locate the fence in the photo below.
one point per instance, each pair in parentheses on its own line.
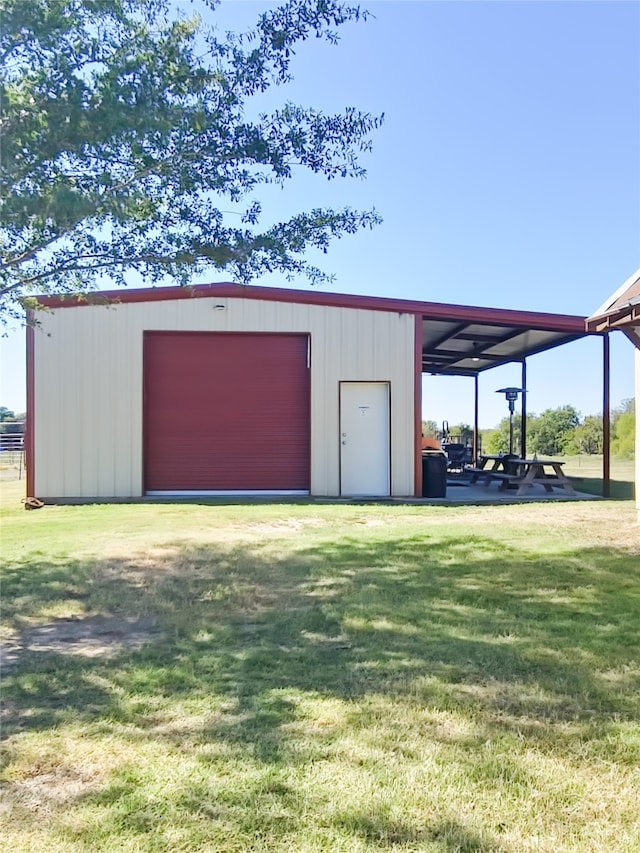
(12,448)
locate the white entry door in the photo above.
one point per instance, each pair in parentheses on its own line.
(365,447)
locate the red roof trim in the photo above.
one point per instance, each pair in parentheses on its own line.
(434,310)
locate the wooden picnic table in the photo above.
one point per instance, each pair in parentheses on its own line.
(512,472)
(534,472)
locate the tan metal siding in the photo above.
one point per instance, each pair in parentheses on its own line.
(88,385)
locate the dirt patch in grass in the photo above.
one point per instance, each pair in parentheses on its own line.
(60,786)
(90,637)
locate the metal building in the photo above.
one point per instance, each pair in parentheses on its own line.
(229,389)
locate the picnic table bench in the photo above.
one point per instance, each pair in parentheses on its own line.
(521,474)
(502,476)
(501,468)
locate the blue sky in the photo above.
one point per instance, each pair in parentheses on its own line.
(507,173)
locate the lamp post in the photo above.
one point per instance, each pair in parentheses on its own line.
(511,395)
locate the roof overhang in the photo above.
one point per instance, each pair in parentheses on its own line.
(621,311)
(458,348)
(458,340)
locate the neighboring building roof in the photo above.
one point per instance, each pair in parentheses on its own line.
(620,311)
(456,339)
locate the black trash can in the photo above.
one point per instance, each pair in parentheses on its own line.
(434,474)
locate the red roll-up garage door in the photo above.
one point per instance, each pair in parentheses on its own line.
(226,412)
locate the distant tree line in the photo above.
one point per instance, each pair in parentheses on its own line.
(556,431)
(565,431)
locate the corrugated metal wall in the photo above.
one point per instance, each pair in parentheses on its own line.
(88,385)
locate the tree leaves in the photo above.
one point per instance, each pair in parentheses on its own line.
(124,130)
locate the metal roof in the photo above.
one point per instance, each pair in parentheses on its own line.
(460,340)
(464,349)
(620,311)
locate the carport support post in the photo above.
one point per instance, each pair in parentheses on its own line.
(29,441)
(523,412)
(476,431)
(606,417)
(417,406)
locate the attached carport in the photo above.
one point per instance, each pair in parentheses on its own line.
(459,340)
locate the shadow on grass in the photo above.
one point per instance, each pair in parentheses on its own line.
(383,831)
(520,643)
(342,619)
(620,490)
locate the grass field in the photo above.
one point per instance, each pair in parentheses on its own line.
(588,470)
(191,677)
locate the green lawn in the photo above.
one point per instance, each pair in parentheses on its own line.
(320,678)
(588,471)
